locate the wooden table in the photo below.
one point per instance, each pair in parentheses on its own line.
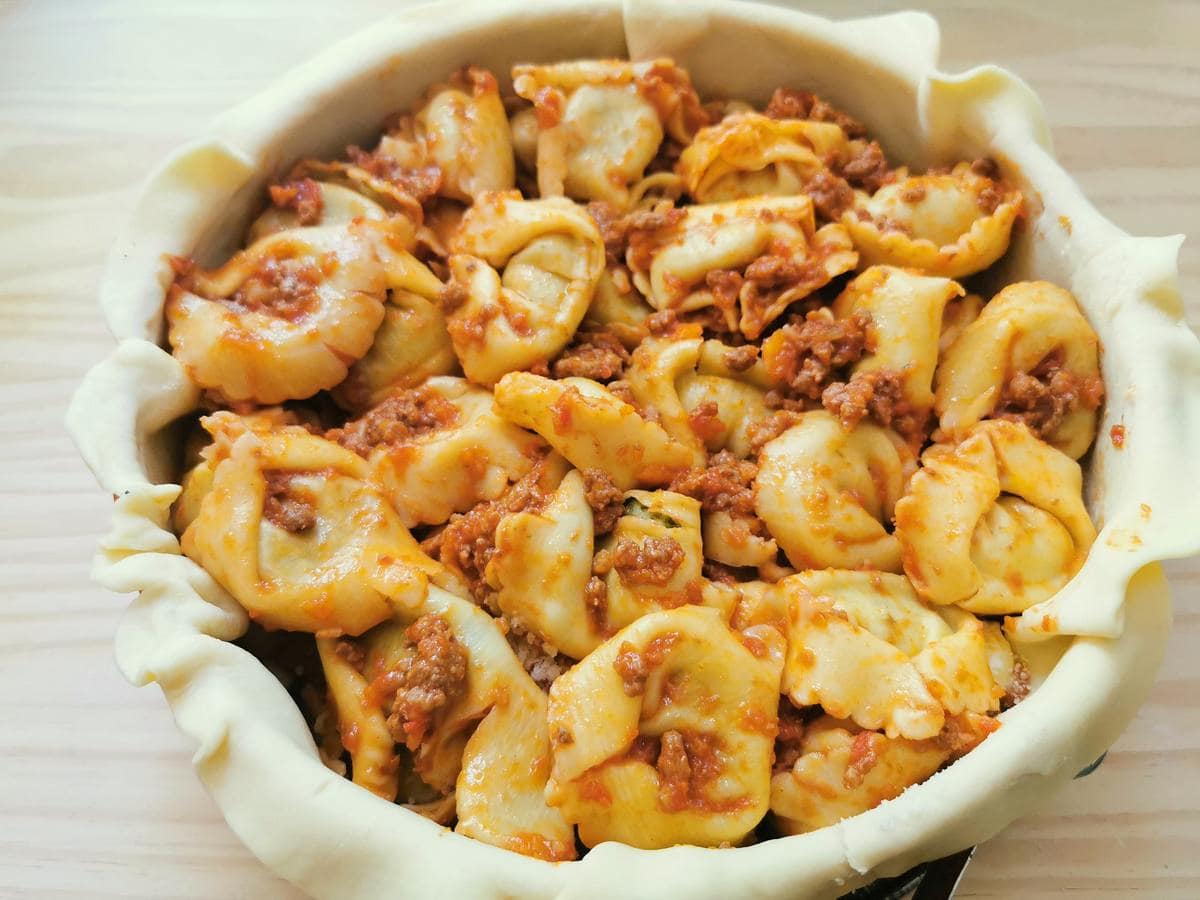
(97,797)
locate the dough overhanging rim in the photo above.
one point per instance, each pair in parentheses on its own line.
(254,752)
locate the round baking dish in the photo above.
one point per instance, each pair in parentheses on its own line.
(1094,647)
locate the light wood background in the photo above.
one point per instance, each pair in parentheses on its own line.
(97,797)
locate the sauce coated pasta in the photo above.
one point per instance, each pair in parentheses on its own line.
(635,468)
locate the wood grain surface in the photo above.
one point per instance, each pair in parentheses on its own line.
(97,795)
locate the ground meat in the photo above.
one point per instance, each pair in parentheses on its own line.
(770,271)
(425,682)
(669,90)
(913,193)
(651,560)
(605,499)
(635,667)
(282,287)
(1043,398)
(544,664)
(611,222)
(641,230)
(787,103)
(726,287)
(302,195)
(598,355)
(595,604)
(726,483)
(401,418)
(739,359)
(283,506)
(789,736)
(989,198)
(879,394)
(468,542)
(720,573)
(644,749)
(810,352)
(420,182)
(863,757)
(986,167)
(352,652)
(674,773)
(705,421)
(867,167)
(662,323)
(963,733)
(769,276)
(763,431)
(1018,689)
(648,229)
(453,295)
(831,195)
(687,763)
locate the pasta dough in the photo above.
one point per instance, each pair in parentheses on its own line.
(994,524)
(441,449)
(526,270)
(750,258)
(282,319)
(339,573)
(707,698)
(1023,327)
(826,494)
(601,122)
(906,311)
(750,155)
(542,565)
(592,428)
(952,224)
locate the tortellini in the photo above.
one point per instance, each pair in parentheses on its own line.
(361,723)
(704,412)
(600,122)
(283,318)
(750,155)
(592,428)
(906,311)
(295,530)
(863,647)
(987,370)
(657,365)
(827,494)
(464,130)
(527,270)
(201,456)
(663,734)
(441,449)
(843,771)
(953,224)
(837,662)
(656,553)
(412,345)
(309,202)
(541,568)
(995,523)
(412,342)
(750,258)
(487,741)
